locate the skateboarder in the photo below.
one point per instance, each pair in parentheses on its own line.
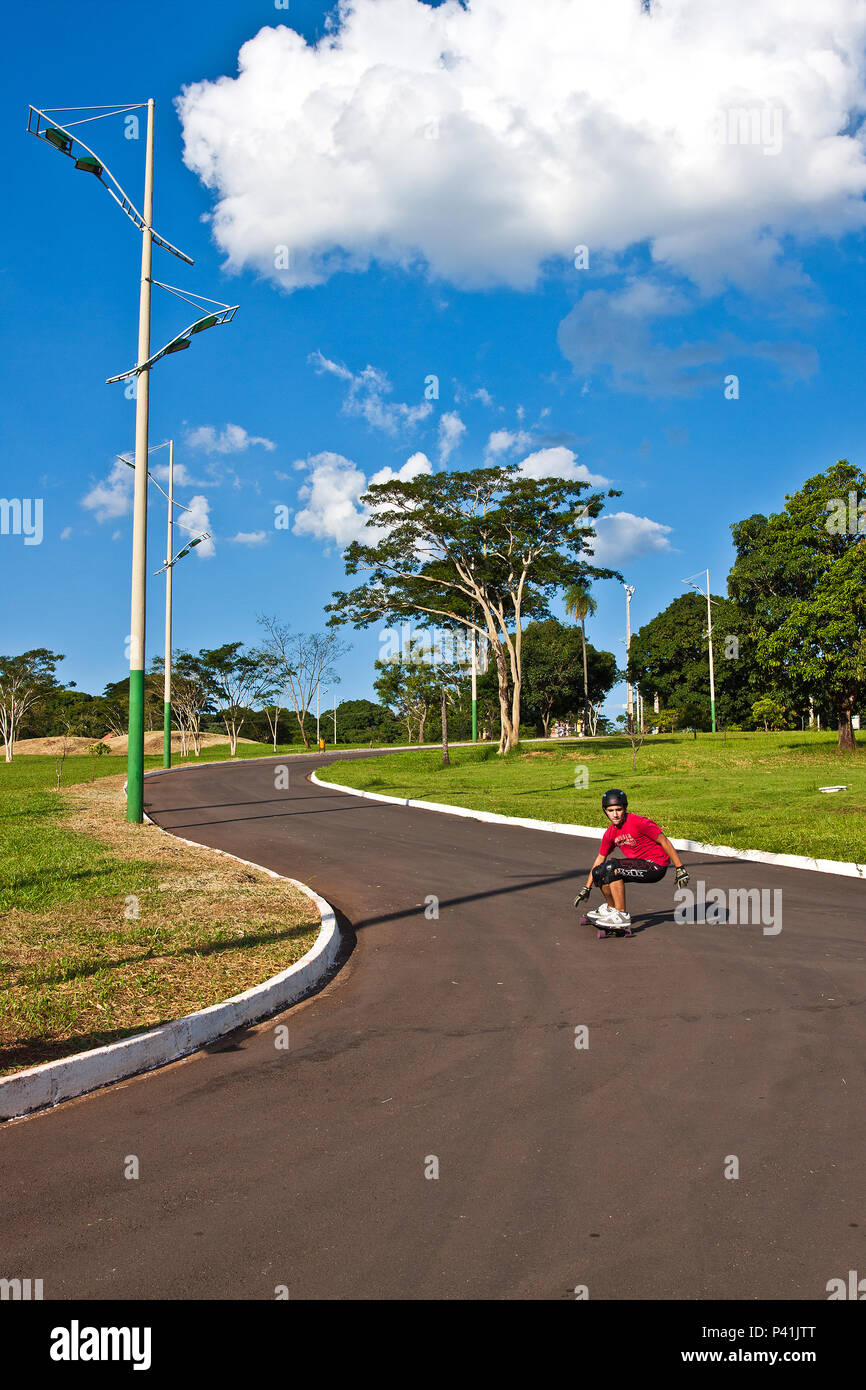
(648,854)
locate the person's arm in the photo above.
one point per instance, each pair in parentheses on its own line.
(669,850)
(682,873)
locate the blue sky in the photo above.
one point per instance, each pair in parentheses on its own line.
(425,233)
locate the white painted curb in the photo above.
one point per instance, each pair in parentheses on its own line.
(53,1082)
(758,856)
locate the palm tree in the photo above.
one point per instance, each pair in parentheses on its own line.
(580,605)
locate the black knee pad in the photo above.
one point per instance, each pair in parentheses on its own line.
(604,873)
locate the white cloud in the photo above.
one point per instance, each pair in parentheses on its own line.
(333,510)
(623,536)
(559,462)
(505,442)
(249,538)
(366,394)
(484,396)
(232,440)
(451,431)
(66,533)
(113,497)
(196,519)
(484,139)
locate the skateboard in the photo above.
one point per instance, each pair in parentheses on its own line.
(602,929)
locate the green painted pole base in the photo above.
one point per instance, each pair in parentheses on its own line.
(166,735)
(474,721)
(135,754)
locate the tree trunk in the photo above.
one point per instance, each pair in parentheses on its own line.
(546,722)
(446,760)
(301,718)
(846,742)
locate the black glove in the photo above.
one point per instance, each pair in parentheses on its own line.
(682,876)
(582,896)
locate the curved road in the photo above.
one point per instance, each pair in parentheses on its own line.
(449,1043)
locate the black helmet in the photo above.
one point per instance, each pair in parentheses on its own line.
(614,797)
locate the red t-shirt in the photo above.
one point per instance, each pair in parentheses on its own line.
(637,837)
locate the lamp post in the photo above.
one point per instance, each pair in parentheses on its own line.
(629,592)
(43,125)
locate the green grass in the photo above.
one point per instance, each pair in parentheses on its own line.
(753,791)
(79,967)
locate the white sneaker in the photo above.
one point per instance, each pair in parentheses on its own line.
(615,918)
(605,913)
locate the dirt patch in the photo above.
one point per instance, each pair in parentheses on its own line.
(153,744)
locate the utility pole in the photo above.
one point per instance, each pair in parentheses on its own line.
(169,567)
(335,716)
(474,685)
(629,591)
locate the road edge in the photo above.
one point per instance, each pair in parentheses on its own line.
(758,856)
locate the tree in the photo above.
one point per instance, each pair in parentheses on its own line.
(233,680)
(668,655)
(407,685)
(769,712)
(801,580)
(189,697)
(299,663)
(557,666)
(482,550)
(24,680)
(362,721)
(581,605)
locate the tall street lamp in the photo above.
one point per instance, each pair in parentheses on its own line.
(629,594)
(45,126)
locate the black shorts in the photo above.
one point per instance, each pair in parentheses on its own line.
(629,871)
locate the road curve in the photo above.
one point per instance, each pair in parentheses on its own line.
(448,1043)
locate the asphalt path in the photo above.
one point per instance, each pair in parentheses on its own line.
(448,1044)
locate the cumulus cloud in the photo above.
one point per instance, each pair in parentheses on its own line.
(610,334)
(334,511)
(480,141)
(559,462)
(451,431)
(621,536)
(232,440)
(366,396)
(112,497)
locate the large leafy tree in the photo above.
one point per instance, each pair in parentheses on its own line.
(24,681)
(669,656)
(234,680)
(484,550)
(800,577)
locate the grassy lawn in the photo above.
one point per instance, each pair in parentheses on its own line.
(107,928)
(753,791)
